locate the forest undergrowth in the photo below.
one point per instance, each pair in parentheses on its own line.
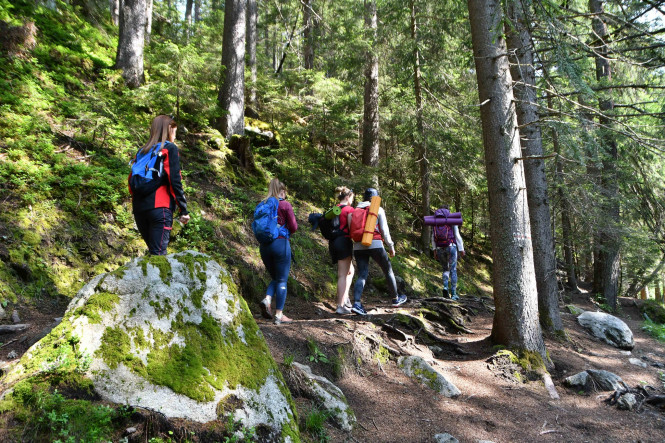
(68,128)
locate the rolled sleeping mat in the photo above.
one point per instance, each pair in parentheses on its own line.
(432,220)
(370,221)
(333,212)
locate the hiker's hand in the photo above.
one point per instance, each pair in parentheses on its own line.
(392,252)
(435,255)
(184,219)
(463,253)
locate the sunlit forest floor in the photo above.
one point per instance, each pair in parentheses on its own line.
(391,407)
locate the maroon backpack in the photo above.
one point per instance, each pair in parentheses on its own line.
(444,235)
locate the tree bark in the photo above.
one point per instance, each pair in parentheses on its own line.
(188,14)
(197,11)
(148,21)
(231,97)
(307,34)
(566,226)
(515,294)
(609,237)
(252,18)
(370,135)
(421,144)
(129,56)
(518,39)
(115,11)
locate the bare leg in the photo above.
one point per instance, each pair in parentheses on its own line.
(344,277)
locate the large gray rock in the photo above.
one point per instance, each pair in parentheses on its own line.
(605,380)
(325,394)
(577,381)
(445,438)
(416,368)
(594,378)
(608,328)
(627,402)
(170,334)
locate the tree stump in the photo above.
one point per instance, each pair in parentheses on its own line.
(243,150)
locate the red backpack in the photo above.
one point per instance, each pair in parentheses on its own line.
(358,222)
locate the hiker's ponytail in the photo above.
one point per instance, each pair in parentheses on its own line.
(343,192)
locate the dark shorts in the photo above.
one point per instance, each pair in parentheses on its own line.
(340,248)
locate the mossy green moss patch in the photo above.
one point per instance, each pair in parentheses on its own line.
(98,302)
(209,357)
(160,262)
(57,353)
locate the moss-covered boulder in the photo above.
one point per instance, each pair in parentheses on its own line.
(170,334)
(418,369)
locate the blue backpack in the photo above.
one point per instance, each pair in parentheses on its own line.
(147,171)
(265,225)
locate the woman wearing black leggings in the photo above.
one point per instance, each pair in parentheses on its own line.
(156,188)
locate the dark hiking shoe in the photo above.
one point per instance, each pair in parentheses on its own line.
(399,301)
(445,293)
(358,309)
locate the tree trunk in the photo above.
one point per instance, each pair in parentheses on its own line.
(231,97)
(148,21)
(609,237)
(252,17)
(518,39)
(566,226)
(658,295)
(515,294)
(307,34)
(370,135)
(421,144)
(197,11)
(643,293)
(129,56)
(188,14)
(115,11)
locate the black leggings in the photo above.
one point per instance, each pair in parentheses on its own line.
(362,261)
(155,228)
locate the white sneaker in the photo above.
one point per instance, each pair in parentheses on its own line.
(343,310)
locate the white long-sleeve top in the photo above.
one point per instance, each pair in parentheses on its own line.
(458,239)
(382,222)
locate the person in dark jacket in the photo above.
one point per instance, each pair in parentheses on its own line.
(276,255)
(153,212)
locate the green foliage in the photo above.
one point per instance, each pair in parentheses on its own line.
(315,354)
(656,330)
(315,425)
(654,310)
(47,415)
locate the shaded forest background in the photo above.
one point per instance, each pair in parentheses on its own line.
(381,92)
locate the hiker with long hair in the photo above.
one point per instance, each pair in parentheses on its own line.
(276,255)
(375,251)
(155,183)
(341,250)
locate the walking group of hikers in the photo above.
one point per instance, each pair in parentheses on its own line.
(155,183)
